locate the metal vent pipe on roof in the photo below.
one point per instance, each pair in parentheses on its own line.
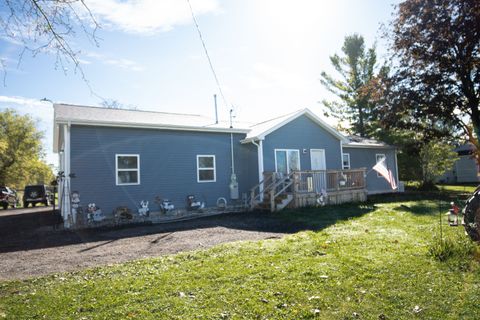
(216,110)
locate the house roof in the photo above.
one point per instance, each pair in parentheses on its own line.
(465,147)
(87,115)
(96,116)
(260,130)
(362,142)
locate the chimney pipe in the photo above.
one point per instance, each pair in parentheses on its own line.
(216,111)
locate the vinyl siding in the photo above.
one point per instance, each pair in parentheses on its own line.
(168,166)
(366,158)
(302,133)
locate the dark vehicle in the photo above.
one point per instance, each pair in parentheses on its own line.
(8,197)
(37,194)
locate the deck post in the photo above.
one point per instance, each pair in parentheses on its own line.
(272,200)
(252,199)
(295,187)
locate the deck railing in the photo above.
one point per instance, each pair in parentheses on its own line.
(330,180)
(318,181)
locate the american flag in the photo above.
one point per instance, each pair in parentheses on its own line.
(382,169)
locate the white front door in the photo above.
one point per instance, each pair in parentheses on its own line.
(318,182)
(317,158)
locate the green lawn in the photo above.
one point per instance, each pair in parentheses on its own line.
(356,262)
(449,188)
(458,188)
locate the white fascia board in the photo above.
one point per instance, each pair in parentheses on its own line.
(368,146)
(149,126)
(56,135)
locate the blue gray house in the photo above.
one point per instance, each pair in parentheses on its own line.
(115,158)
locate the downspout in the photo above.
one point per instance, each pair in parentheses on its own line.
(234,192)
(68,220)
(260,165)
(231,151)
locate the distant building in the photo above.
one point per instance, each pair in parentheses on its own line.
(465,168)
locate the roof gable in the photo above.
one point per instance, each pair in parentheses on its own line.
(260,130)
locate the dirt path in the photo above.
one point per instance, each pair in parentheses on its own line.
(29,254)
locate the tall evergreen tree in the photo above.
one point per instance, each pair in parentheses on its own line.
(356,67)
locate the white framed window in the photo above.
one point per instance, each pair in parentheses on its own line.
(378,158)
(346,161)
(206,171)
(287,160)
(127,168)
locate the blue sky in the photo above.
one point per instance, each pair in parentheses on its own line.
(268,56)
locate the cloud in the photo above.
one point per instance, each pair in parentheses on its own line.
(27,102)
(123,63)
(148,16)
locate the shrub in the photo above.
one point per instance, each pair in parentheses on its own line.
(458,250)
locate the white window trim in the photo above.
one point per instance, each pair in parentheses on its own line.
(376,161)
(349,165)
(117,170)
(214,168)
(288,167)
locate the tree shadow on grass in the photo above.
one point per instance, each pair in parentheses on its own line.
(320,218)
(424,208)
(284,222)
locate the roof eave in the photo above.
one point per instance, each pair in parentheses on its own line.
(368,146)
(148,126)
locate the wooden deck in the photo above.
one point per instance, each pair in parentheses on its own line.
(309,188)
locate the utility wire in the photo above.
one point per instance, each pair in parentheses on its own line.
(208,56)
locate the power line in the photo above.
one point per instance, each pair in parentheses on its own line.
(208,56)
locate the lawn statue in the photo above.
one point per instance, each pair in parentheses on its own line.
(94,213)
(144,211)
(166,206)
(193,204)
(122,213)
(471,216)
(321,198)
(76,208)
(453,214)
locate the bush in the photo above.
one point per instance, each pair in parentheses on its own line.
(458,250)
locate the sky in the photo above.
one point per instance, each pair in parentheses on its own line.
(267,54)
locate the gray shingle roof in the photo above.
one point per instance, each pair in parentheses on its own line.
(106,116)
(357,141)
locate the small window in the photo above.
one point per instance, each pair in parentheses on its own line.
(346,161)
(379,157)
(128,169)
(206,168)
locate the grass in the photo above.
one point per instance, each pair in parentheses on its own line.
(372,261)
(466,188)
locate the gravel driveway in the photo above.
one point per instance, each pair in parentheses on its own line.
(28,252)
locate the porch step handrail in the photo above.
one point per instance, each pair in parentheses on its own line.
(261,186)
(271,189)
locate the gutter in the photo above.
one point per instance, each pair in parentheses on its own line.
(150,126)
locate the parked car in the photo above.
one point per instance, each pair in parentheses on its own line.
(8,197)
(37,194)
